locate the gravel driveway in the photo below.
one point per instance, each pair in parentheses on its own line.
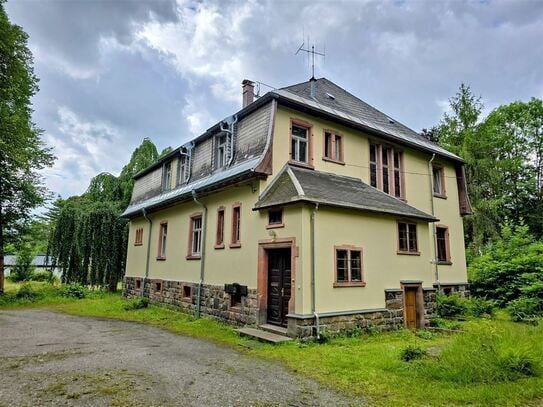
(54,359)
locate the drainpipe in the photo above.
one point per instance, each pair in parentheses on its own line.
(203,249)
(144,212)
(434,231)
(230,130)
(313,269)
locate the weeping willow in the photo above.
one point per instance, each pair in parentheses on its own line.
(89,244)
(89,238)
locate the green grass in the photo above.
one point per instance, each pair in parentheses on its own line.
(491,362)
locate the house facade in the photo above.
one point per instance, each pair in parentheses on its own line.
(306,209)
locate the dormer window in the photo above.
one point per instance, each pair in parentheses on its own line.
(181,170)
(220,150)
(167,176)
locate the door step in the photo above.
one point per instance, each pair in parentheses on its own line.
(274,329)
(263,336)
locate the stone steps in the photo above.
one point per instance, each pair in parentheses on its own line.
(274,329)
(263,336)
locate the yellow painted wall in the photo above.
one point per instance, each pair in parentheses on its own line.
(222,266)
(356,158)
(382,267)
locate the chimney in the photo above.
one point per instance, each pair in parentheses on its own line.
(248,92)
(313,87)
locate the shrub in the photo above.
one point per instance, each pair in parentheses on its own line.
(23,269)
(26,292)
(509,268)
(518,363)
(46,276)
(412,352)
(524,309)
(479,307)
(74,291)
(138,303)
(451,306)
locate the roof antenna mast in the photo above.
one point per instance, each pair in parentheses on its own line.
(313,53)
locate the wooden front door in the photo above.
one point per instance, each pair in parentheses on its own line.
(410,307)
(279,286)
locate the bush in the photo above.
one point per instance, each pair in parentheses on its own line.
(518,363)
(74,291)
(412,352)
(479,307)
(138,303)
(44,276)
(509,268)
(23,269)
(524,309)
(26,292)
(451,306)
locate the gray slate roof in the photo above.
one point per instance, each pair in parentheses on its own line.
(346,106)
(294,184)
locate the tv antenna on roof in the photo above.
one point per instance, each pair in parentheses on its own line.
(313,53)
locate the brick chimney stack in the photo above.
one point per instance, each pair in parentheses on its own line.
(248,92)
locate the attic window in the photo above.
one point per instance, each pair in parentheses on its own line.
(220,150)
(390,121)
(330,96)
(167,176)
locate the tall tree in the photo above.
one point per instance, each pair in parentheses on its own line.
(89,238)
(22,151)
(504,163)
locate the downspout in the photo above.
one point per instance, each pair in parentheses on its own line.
(203,249)
(144,212)
(434,231)
(313,269)
(188,173)
(231,131)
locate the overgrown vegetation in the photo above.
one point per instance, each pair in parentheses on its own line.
(510,271)
(489,362)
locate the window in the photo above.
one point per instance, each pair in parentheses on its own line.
(333,147)
(348,267)
(138,284)
(275,218)
(236,226)
(167,176)
(386,170)
(235,299)
(158,286)
(373,165)
(407,238)
(220,150)
(162,238)
(139,237)
(195,237)
(219,241)
(187,292)
(398,193)
(181,170)
(438,175)
(300,144)
(442,240)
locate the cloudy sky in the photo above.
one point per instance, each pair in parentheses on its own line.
(114,72)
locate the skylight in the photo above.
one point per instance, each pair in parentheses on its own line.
(330,96)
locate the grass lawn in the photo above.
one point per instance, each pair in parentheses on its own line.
(492,362)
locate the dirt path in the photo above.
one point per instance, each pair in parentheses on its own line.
(54,359)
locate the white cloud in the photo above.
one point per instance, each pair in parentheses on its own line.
(83,149)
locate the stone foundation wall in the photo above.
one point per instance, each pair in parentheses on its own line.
(387,319)
(458,289)
(214,302)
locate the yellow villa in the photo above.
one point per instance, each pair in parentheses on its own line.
(307,209)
